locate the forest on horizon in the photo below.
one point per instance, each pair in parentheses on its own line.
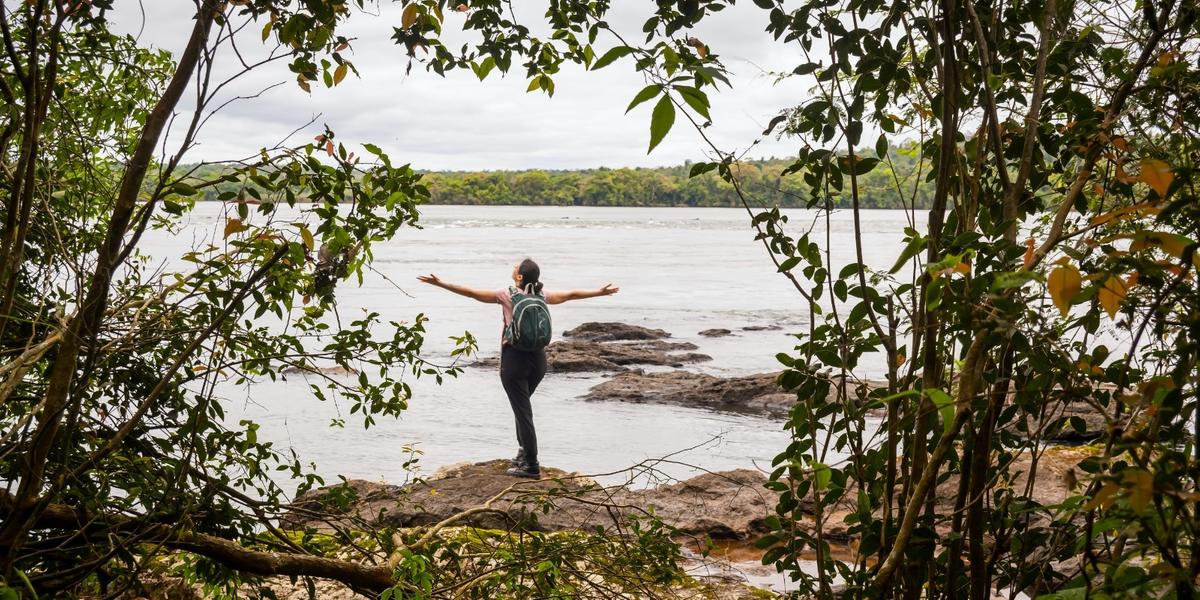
(766,182)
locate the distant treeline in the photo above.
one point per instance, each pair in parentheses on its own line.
(893,185)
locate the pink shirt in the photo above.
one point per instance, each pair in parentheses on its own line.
(504,298)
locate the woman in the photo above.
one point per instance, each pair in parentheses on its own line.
(521,371)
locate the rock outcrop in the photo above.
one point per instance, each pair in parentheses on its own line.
(613,331)
(730,505)
(754,394)
(612,347)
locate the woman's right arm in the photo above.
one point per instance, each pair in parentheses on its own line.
(486,296)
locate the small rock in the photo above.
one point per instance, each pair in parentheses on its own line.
(715,332)
(611,331)
(762,328)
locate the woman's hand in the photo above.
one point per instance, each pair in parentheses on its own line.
(608,290)
(430,279)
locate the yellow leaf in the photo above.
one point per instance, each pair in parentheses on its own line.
(534,83)
(340,73)
(1141,487)
(233,226)
(266,31)
(307,237)
(1064,283)
(1158,175)
(409,17)
(963,267)
(1103,497)
(1028,252)
(1111,295)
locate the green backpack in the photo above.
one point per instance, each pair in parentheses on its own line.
(530,328)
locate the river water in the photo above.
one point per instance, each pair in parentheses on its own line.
(679,269)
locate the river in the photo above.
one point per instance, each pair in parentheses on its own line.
(679,269)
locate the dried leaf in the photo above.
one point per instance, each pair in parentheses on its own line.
(1103,497)
(340,73)
(1111,295)
(233,226)
(1141,487)
(409,16)
(1064,283)
(1158,175)
(1028,252)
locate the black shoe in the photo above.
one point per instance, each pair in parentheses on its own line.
(527,471)
(519,459)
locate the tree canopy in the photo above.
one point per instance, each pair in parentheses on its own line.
(1052,267)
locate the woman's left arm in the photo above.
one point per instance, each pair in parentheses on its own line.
(560,297)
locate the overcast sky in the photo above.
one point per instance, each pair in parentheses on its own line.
(458,122)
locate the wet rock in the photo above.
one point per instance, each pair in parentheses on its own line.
(771,327)
(612,331)
(753,394)
(575,356)
(593,347)
(715,332)
(730,505)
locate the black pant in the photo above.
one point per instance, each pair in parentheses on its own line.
(521,372)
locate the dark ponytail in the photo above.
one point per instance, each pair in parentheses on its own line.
(530,275)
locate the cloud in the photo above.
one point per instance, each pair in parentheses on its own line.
(457,122)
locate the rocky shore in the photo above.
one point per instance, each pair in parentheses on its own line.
(643,365)
(729,505)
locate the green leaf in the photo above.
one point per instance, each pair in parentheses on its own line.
(701,168)
(915,245)
(863,166)
(765,4)
(881,146)
(482,69)
(611,56)
(647,93)
(854,131)
(789,264)
(944,403)
(661,121)
(695,98)
(183,189)
(822,474)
